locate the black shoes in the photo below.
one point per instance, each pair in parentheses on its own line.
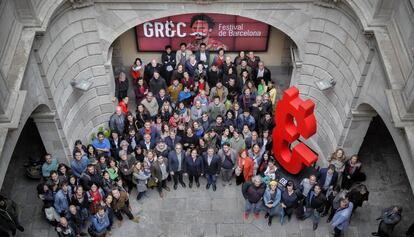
(269,222)
(375,234)
(183,185)
(190,185)
(207,186)
(175,186)
(197,184)
(214,187)
(315,226)
(266,216)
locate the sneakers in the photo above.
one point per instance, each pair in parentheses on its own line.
(257,216)
(246,216)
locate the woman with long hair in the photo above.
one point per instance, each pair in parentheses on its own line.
(244,169)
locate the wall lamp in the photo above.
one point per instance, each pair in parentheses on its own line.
(325,84)
(82,85)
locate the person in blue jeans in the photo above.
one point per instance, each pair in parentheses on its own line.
(253,193)
(212,167)
(314,205)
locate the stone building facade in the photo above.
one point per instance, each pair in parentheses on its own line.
(366,46)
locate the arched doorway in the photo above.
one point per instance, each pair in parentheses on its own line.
(386,177)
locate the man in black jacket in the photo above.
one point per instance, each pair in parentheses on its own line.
(390,217)
(212,165)
(315,202)
(253,193)
(9,221)
(169,62)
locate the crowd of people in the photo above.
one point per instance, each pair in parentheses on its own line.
(195,117)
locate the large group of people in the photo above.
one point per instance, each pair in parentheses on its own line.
(197,115)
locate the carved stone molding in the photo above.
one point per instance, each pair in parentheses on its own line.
(76,4)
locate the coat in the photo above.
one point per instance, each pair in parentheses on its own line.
(267,197)
(121,202)
(78,167)
(140,179)
(173,161)
(322,177)
(342,216)
(389,220)
(193,167)
(247,168)
(62,201)
(315,202)
(171,143)
(100,224)
(214,167)
(228,164)
(156,170)
(252,193)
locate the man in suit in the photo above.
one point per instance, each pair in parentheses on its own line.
(203,55)
(327,178)
(147,143)
(212,166)
(172,140)
(176,164)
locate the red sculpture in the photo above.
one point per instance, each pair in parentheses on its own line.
(293,117)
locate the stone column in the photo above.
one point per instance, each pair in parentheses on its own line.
(358,127)
(45,123)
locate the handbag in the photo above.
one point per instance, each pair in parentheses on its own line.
(237,171)
(151,183)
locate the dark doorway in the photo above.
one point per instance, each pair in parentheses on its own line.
(387,181)
(16,185)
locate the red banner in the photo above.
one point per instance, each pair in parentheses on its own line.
(232,33)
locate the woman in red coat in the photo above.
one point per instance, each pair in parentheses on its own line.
(244,170)
(137,70)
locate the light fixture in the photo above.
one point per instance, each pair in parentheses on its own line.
(325,84)
(83,85)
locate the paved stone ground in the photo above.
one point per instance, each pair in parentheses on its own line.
(200,212)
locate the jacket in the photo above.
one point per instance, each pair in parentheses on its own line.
(151,106)
(214,167)
(207,52)
(267,197)
(226,163)
(100,224)
(315,202)
(193,167)
(8,215)
(389,220)
(155,85)
(121,202)
(156,170)
(140,179)
(252,193)
(78,167)
(249,121)
(342,216)
(173,161)
(62,201)
(195,114)
(247,168)
(117,122)
(171,143)
(322,177)
(215,110)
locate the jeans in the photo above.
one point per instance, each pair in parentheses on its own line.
(211,179)
(248,206)
(316,216)
(226,174)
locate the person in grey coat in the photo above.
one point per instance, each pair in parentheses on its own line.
(390,217)
(117,120)
(140,178)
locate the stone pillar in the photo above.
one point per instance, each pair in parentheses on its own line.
(45,123)
(358,127)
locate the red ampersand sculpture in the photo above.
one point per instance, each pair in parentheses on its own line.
(291,108)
